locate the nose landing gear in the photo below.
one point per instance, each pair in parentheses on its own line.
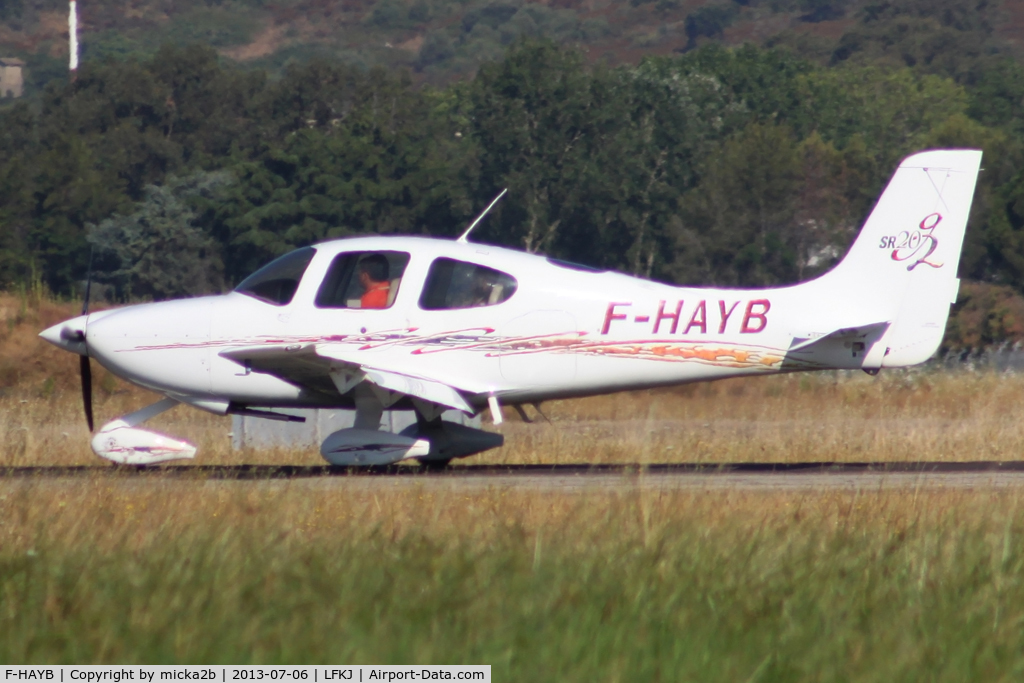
(122,442)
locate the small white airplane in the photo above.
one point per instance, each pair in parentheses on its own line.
(435,324)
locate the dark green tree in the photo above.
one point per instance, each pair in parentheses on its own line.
(537,119)
(373,157)
(158,251)
(665,120)
(738,224)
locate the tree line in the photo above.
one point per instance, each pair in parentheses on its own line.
(736,167)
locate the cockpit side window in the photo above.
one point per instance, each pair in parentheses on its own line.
(456,284)
(363,279)
(276,282)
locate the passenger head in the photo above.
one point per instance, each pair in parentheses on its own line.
(375,266)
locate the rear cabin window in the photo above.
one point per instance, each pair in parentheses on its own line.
(457,284)
(276,282)
(363,279)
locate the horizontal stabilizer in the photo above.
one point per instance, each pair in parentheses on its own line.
(859,333)
(860,347)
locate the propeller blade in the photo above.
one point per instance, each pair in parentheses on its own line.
(88,285)
(86,371)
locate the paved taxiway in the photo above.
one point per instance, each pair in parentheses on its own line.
(573,478)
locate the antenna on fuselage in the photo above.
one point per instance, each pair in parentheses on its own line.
(465,235)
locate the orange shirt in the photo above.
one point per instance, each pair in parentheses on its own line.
(376,296)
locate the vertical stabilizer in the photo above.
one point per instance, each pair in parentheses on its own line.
(902,267)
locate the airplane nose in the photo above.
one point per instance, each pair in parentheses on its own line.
(52,334)
(68,335)
(162,345)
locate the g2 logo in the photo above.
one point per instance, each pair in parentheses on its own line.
(915,244)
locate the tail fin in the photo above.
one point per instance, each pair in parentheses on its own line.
(902,267)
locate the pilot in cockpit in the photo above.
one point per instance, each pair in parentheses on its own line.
(373,276)
(480,294)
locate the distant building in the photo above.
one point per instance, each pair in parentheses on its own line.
(11,81)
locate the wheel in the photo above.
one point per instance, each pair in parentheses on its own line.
(435,465)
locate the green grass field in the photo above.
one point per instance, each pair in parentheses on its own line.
(627,586)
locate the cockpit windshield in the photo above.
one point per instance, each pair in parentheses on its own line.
(276,282)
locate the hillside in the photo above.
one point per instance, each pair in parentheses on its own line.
(441,40)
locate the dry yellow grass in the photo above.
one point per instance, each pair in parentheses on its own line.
(842,417)
(107,512)
(895,417)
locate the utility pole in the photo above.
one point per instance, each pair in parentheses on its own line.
(73,38)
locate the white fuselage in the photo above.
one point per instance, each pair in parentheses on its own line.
(564,332)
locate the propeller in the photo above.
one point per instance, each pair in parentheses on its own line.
(85,369)
(86,372)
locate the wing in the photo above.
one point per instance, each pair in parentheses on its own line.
(321,367)
(297,363)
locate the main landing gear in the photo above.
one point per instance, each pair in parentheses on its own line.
(430,441)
